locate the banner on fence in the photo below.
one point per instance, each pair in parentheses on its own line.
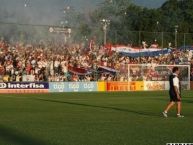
(101,86)
(136,86)
(73,87)
(23,87)
(154,85)
(33,87)
(117,86)
(125,86)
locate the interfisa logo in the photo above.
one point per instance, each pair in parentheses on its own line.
(179,144)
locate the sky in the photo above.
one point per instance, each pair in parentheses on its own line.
(49,11)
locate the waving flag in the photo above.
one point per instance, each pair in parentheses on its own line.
(136,52)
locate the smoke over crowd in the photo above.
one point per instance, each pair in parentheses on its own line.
(31,19)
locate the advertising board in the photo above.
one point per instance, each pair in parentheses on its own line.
(154,85)
(73,87)
(24,87)
(117,86)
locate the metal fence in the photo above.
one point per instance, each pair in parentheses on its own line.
(161,38)
(34,33)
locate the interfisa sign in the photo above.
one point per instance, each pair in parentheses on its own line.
(179,144)
(24,87)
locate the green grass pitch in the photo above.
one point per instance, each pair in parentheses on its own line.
(93,119)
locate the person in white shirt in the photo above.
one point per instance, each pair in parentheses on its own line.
(175,93)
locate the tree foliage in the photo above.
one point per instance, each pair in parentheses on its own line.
(128,23)
(126,17)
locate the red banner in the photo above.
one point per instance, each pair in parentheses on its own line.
(117,86)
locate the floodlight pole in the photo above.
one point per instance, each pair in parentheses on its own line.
(105,23)
(176,36)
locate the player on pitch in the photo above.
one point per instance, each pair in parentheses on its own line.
(174,92)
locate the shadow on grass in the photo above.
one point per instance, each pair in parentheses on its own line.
(101,107)
(14,137)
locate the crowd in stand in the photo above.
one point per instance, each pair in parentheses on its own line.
(57,62)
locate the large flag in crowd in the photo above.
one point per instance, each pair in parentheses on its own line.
(138,52)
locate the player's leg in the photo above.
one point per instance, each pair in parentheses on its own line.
(169,106)
(179,109)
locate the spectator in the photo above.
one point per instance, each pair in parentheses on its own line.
(52,63)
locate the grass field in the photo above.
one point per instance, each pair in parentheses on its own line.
(93,119)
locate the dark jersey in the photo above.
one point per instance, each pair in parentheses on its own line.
(172,92)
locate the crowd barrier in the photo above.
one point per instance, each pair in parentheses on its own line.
(53,87)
